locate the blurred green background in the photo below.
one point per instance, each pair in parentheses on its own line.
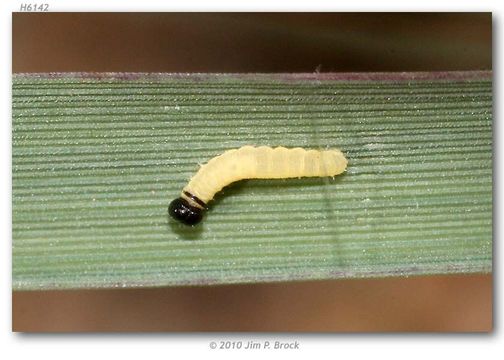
(279,42)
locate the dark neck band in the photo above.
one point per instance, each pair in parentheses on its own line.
(195,199)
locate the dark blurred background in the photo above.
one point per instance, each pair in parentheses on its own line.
(269,42)
(278,42)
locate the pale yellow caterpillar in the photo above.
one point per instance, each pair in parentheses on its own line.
(250,162)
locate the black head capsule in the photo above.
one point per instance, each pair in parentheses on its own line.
(181,210)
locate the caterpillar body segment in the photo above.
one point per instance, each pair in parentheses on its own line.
(250,162)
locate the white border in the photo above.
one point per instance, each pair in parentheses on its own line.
(260,5)
(157,346)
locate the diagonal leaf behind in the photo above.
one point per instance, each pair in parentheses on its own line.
(98,157)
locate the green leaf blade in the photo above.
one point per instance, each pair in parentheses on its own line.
(98,158)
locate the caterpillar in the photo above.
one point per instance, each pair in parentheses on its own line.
(249,162)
